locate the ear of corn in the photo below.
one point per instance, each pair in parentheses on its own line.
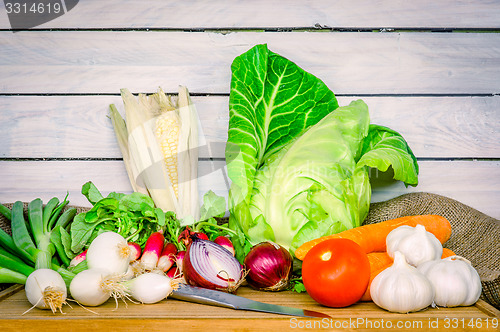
(159,144)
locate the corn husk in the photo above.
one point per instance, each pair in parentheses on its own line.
(143,156)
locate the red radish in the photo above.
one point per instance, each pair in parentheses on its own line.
(152,251)
(167,258)
(135,251)
(179,259)
(172,272)
(78,259)
(225,243)
(201,235)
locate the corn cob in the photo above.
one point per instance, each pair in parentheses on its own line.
(159,148)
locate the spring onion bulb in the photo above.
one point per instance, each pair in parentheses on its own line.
(45,289)
(93,287)
(109,251)
(149,287)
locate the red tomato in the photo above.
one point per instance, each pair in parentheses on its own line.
(336,272)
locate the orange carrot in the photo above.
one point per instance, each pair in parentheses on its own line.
(372,237)
(379,261)
(447,253)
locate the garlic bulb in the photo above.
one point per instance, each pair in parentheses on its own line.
(415,243)
(401,287)
(455,281)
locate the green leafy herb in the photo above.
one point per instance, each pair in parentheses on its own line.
(134,216)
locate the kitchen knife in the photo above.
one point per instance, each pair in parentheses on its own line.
(226,300)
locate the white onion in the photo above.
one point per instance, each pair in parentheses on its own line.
(88,287)
(109,251)
(149,287)
(45,289)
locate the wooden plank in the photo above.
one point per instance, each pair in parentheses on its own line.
(363,14)
(11,290)
(349,63)
(474,183)
(178,314)
(78,127)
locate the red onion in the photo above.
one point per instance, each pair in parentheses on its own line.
(269,267)
(209,265)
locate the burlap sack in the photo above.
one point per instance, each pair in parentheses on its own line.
(474,234)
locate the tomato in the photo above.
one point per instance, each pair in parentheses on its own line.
(336,272)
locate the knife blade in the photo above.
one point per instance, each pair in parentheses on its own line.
(227,300)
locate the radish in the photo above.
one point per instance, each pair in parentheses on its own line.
(135,251)
(78,259)
(201,235)
(150,287)
(225,243)
(109,251)
(152,251)
(179,259)
(45,289)
(173,273)
(167,258)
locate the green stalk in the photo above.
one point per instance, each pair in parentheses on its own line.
(35,218)
(65,218)
(47,211)
(20,234)
(41,234)
(15,265)
(11,277)
(55,238)
(55,214)
(82,266)
(10,255)
(7,243)
(7,213)
(205,223)
(65,274)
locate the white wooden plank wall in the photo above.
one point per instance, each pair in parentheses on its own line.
(430,70)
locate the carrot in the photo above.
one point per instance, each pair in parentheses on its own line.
(372,237)
(447,253)
(379,261)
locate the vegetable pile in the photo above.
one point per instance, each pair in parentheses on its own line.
(407,268)
(299,166)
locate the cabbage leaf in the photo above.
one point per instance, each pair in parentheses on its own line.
(298,162)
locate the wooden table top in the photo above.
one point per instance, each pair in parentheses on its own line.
(181,315)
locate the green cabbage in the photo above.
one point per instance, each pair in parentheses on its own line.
(298,163)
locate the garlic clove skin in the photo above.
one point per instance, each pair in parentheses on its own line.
(455,281)
(401,288)
(415,243)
